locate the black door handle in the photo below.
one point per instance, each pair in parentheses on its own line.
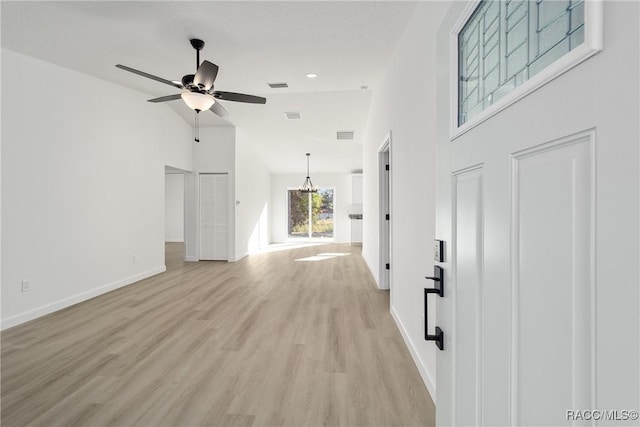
(438,279)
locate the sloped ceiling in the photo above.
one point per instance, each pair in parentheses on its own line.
(254,43)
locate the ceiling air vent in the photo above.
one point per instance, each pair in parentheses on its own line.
(278,85)
(344,135)
(293,115)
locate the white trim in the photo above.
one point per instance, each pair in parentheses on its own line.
(424,374)
(75,299)
(593,43)
(464,17)
(185,219)
(231,215)
(373,272)
(191,259)
(385,147)
(239,257)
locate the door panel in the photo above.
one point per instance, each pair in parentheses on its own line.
(467,295)
(206,217)
(221,218)
(214,217)
(553,282)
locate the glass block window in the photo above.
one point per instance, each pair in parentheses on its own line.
(506,42)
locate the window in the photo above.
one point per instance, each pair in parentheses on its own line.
(503,45)
(310,215)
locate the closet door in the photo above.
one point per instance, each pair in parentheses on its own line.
(214,217)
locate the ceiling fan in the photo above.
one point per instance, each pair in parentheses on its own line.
(198,89)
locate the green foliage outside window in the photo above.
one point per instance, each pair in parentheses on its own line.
(321,213)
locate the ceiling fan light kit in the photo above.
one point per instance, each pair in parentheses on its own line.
(197,89)
(197,101)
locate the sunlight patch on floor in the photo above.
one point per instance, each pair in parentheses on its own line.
(276,247)
(324,256)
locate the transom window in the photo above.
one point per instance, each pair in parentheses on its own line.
(505,43)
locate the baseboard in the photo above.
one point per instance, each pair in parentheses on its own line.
(239,257)
(426,378)
(191,259)
(75,299)
(373,273)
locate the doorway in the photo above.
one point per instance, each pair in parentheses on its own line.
(384,174)
(174,217)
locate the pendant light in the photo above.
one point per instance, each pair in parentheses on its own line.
(307,186)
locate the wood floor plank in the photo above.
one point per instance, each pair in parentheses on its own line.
(271,340)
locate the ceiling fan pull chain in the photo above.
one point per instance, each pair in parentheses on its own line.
(197,127)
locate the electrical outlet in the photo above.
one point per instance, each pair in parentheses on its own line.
(25,286)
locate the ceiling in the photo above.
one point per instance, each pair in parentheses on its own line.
(347,43)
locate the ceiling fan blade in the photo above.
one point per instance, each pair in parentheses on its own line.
(165,98)
(218,109)
(149,76)
(239,97)
(206,75)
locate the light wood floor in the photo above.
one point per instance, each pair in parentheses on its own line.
(265,341)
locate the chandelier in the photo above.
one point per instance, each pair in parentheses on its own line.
(307,186)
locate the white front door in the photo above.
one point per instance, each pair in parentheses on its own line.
(541,215)
(214,217)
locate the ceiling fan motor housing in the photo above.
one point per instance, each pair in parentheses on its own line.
(187,80)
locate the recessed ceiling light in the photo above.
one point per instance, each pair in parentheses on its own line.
(312,75)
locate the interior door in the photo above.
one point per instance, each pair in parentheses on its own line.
(385,216)
(214,217)
(541,217)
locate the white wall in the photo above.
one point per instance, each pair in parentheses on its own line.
(82,185)
(253,191)
(342,198)
(215,153)
(174,207)
(404,103)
